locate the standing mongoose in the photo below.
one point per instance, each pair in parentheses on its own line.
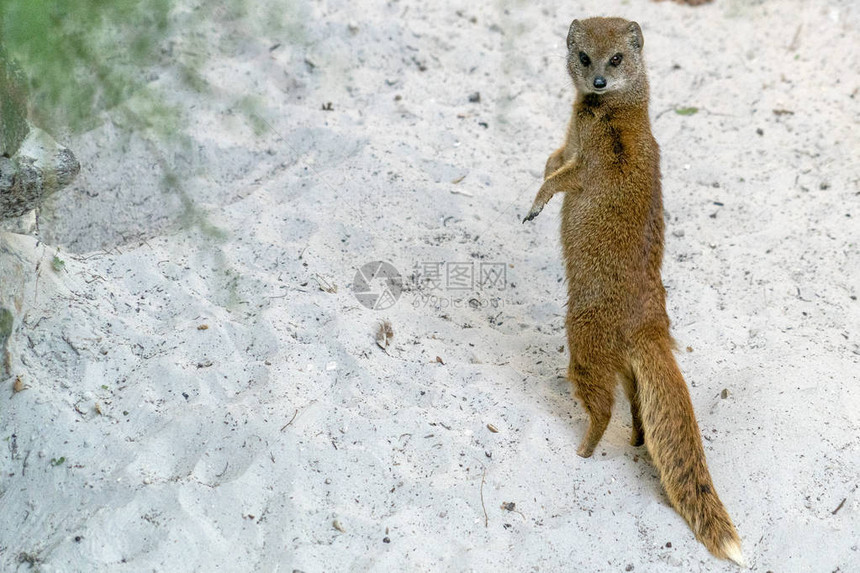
(612,239)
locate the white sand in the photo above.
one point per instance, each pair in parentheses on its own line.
(238,447)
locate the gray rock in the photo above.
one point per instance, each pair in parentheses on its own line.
(32,164)
(39,168)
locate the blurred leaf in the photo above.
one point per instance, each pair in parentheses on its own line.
(687,110)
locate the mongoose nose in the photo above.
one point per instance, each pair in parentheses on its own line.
(600,82)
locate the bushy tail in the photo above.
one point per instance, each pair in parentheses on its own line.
(673,440)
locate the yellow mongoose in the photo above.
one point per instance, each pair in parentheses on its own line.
(612,238)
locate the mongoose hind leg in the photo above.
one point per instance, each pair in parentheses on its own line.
(637,435)
(594,388)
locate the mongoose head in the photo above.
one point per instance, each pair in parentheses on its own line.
(604,56)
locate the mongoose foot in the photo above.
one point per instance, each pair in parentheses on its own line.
(585,450)
(596,427)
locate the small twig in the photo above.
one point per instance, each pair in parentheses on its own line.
(38,275)
(486,517)
(838,507)
(284,427)
(325,285)
(512,507)
(72,346)
(659,115)
(224,471)
(795,41)
(458,192)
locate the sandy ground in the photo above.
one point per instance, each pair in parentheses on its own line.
(203,388)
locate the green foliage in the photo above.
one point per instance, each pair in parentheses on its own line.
(147,113)
(84,57)
(81,57)
(58,264)
(84,61)
(687,110)
(13,106)
(252,109)
(6,323)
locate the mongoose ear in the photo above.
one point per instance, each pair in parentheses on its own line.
(636,39)
(573,33)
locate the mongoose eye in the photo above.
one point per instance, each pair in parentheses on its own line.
(616,59)
(583,57)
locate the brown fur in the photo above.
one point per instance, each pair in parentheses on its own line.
(612,238)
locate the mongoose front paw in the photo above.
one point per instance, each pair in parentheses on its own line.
(533,212)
